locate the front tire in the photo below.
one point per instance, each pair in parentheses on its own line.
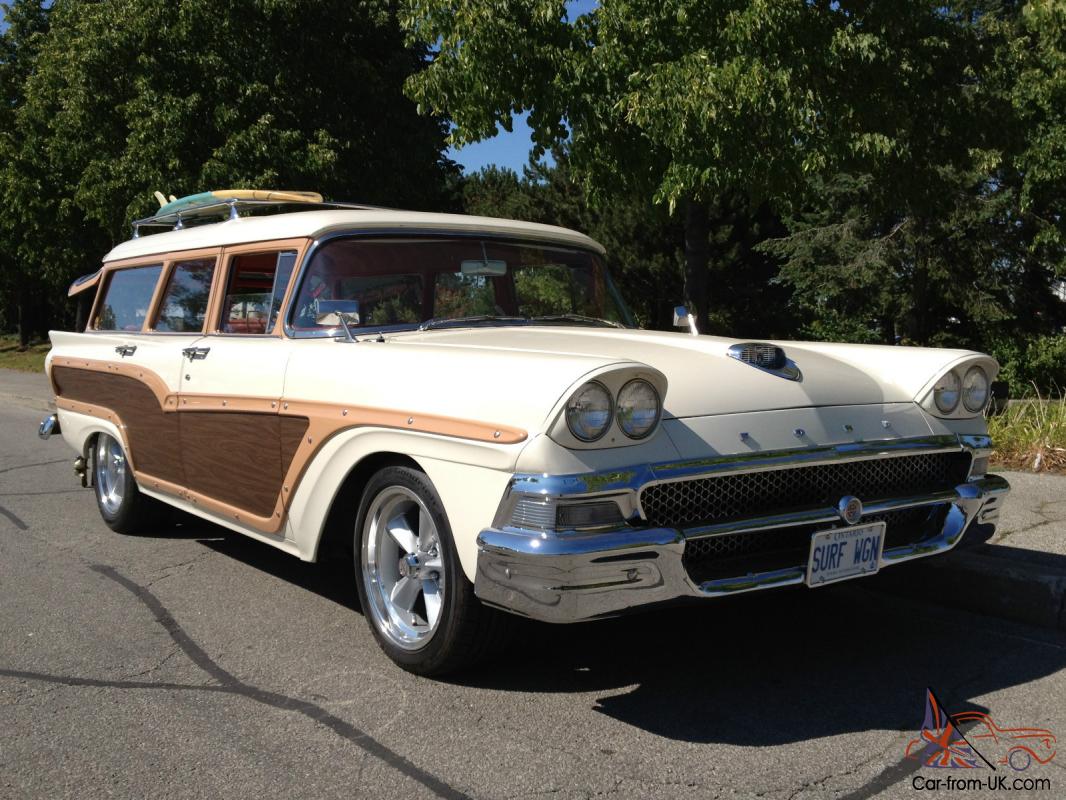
(418,602)
(122,505)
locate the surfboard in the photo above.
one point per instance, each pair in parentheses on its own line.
(192,203)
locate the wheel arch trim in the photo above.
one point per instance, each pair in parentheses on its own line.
(469,477)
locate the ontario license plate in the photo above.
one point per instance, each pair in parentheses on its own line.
(844,553)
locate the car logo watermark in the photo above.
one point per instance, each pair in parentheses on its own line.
(968,740)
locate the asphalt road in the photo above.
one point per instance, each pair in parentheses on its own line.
(197,663)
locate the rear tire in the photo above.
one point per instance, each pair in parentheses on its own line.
(122,505)
(418,602)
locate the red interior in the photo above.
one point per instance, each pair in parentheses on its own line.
(250,275)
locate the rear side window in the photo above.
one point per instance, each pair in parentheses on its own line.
(184,304)
(127,298)
(255,291)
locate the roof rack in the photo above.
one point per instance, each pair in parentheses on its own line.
(228,204)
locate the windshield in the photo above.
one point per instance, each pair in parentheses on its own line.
(376,284)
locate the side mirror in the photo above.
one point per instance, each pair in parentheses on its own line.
(684,319)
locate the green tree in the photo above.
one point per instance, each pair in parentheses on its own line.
(943,243)
(1037,65)
(693,101)
(132,96)
(641,239)
(26,23)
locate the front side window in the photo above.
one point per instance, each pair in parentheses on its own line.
(402,283)
(184,304)
(127,298)
(255,291)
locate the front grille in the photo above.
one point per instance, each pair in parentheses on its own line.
(736,554)
(685,503)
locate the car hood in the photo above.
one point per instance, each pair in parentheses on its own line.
(704,380)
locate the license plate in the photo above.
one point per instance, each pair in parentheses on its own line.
(843,553)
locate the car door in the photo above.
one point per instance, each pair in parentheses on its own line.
(133,357)
(235,443)
(175,324)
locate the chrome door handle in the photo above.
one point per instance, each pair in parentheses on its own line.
(126,349)
(196,353)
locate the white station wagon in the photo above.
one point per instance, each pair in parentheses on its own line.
(465,406)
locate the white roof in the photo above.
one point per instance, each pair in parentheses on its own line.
(311,224)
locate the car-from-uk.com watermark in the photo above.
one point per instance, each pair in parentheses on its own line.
(989,783)
(971,741)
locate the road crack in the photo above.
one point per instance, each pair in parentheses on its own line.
(157,667)
(226,682)
(170,570)
(35,464)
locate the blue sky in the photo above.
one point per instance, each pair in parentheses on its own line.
(504,149)
(510,149)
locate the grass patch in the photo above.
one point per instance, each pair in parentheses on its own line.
(29,360)
(1031,435)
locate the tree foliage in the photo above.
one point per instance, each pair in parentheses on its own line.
(130,96)
(26,26)
(1037,63)
(870,170)
(693,102)
(873,171)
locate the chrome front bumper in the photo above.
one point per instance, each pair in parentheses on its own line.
(569,577)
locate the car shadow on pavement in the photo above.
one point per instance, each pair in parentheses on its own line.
(779,668)
(751,670)
(329,578)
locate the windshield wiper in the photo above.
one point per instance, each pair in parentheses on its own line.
(444,322)
(576,318)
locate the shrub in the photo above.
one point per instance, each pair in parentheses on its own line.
(1032,363)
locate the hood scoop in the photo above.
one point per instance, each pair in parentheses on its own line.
(767,357)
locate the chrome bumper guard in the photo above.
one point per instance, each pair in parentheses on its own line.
(569,577)
(49,425)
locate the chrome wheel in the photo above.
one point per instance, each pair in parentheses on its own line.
(110,473)
(402,566)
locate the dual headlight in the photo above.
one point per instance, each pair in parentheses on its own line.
(971,390)
(591,409)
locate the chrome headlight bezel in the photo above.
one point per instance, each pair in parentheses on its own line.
(624,420)
(950,385)
(966,390)
(571,412)
(562,425)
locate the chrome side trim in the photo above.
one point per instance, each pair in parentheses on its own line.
(980,444)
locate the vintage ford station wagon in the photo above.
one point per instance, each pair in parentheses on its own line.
(465,406)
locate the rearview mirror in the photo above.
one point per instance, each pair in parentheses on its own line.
(487,268)
(330,312)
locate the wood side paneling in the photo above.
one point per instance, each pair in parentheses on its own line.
(154,438)
(292,434)
(234,458)
(232,455)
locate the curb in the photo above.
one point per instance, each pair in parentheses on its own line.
(1025,586)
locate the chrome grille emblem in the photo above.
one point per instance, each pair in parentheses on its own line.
(850,509)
